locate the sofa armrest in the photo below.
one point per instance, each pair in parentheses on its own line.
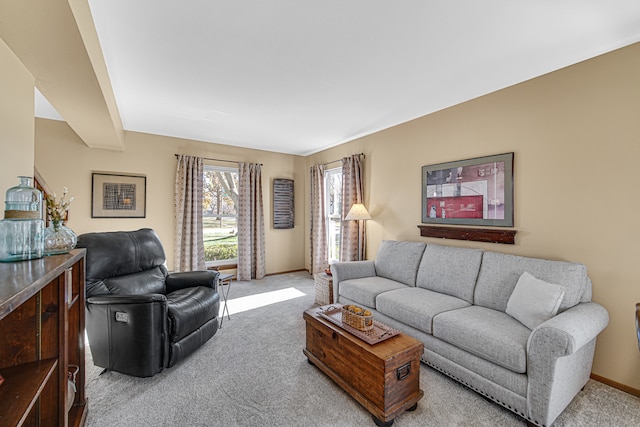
(567,332)
(189,279)
(559,359)
(342,271)
(347,270)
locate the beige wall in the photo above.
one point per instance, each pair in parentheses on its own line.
(64,160)
(576,138)
(16,120)
(575,134)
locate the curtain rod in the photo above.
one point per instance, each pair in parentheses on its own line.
(219,160)
(333,161)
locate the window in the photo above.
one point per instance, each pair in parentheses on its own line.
(333,211)
(220,215)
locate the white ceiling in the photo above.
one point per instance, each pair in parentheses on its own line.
(300,76)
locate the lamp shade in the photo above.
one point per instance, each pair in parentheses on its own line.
(357,212)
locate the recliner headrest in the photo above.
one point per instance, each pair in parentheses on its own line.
(117,253)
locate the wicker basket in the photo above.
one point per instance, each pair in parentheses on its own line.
(361,323)
(324,289)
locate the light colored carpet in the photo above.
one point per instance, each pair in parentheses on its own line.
(253,373)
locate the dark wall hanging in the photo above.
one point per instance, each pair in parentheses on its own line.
(283,209)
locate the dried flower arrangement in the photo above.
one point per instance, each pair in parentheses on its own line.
(57,209)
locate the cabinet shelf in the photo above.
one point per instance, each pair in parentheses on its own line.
(78,415)
(21,389)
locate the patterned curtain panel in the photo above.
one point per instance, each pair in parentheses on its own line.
(250,222)
(318,230)
(189,246)
(352,234)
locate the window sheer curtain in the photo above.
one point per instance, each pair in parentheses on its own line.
(318,232)
(189,242)
(251,261)
(352,235)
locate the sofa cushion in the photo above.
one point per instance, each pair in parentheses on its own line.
(365,290)
(534,301)
(416,306)
(499,274)
(399,261)
(449,270)
(490,334)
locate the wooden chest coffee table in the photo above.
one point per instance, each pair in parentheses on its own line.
(383,377)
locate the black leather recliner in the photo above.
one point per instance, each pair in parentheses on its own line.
(141,319)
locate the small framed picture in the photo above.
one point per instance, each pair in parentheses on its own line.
(118,196)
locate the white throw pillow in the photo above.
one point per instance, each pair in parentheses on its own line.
(534,301)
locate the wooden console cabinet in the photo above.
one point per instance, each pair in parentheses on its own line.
(42,307)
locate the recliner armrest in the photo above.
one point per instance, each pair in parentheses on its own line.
(189,279)
(126,299)
(127,333)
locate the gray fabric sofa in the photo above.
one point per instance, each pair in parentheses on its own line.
(461,303)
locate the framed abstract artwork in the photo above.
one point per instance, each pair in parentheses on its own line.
(475,191)
(118,196)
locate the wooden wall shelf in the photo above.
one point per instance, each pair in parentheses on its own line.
(464,233)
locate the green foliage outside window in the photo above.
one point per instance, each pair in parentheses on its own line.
(220,223)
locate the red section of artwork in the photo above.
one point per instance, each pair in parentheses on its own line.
(455,207)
